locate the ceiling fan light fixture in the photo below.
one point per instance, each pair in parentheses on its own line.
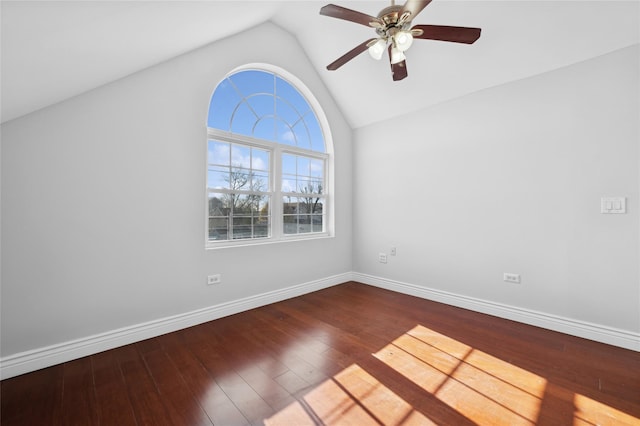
(397,55)
(403,40)
(377,49)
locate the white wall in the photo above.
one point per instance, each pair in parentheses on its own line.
(509,179)
(103,199)
(103,203)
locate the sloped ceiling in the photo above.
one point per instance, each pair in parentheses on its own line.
(53,50)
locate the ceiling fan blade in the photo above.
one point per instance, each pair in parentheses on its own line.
(340,12)
(399,70)
(444,33)
(414,7)
(349,55)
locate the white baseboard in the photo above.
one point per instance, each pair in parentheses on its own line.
(36,359)
(612,336)
(32,360)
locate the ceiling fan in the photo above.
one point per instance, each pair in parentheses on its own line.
(395,34)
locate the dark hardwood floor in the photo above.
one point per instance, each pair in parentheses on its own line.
(350,354)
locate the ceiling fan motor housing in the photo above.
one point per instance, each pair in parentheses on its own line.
(390,21)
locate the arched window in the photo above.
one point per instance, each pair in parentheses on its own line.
(267,160)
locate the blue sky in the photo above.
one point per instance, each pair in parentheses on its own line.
(262,105)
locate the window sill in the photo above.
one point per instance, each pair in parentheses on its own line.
(267,241)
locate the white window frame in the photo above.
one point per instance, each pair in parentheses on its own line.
(276,150)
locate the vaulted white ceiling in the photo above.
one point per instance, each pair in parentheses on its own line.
(53,50)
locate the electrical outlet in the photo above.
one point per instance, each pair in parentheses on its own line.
(613,205)
(382,257)
(511,278)
(214,279)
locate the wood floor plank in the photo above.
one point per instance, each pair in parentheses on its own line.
(218,406)
(147,404)
(174,392)
(34,398)
(112,400)
(242,353)
(351,353)
(250,404)
(79,406)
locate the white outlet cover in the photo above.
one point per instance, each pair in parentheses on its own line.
(613,205)
(511,278)
(214,279)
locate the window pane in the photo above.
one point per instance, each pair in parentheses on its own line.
(317,206)
(260,181)
(243,120)
(286,112)
(262,104)
(304,223)
(261,230)
(316,223)
(253,81)
(246,204)
(288,183)
(241,227)
(216,205)
(217,178)
(300,205)
(304,186)
(260,159)
(317,168)
(240,179)
(265,129)
(303,166)
(302,135)
(289,164)
(290,224)
(218,217)
(288,92)
(223,102)
(218,228)
(285,134)
(310,204)
(288,173)
(241,156)
(218,153)
(315,186)
(262,220)
(317,138)
(289,205)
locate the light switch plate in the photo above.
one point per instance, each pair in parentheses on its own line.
(613,205)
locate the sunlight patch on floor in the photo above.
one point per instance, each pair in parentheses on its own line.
(590,412)
(480,388)
(351,397)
